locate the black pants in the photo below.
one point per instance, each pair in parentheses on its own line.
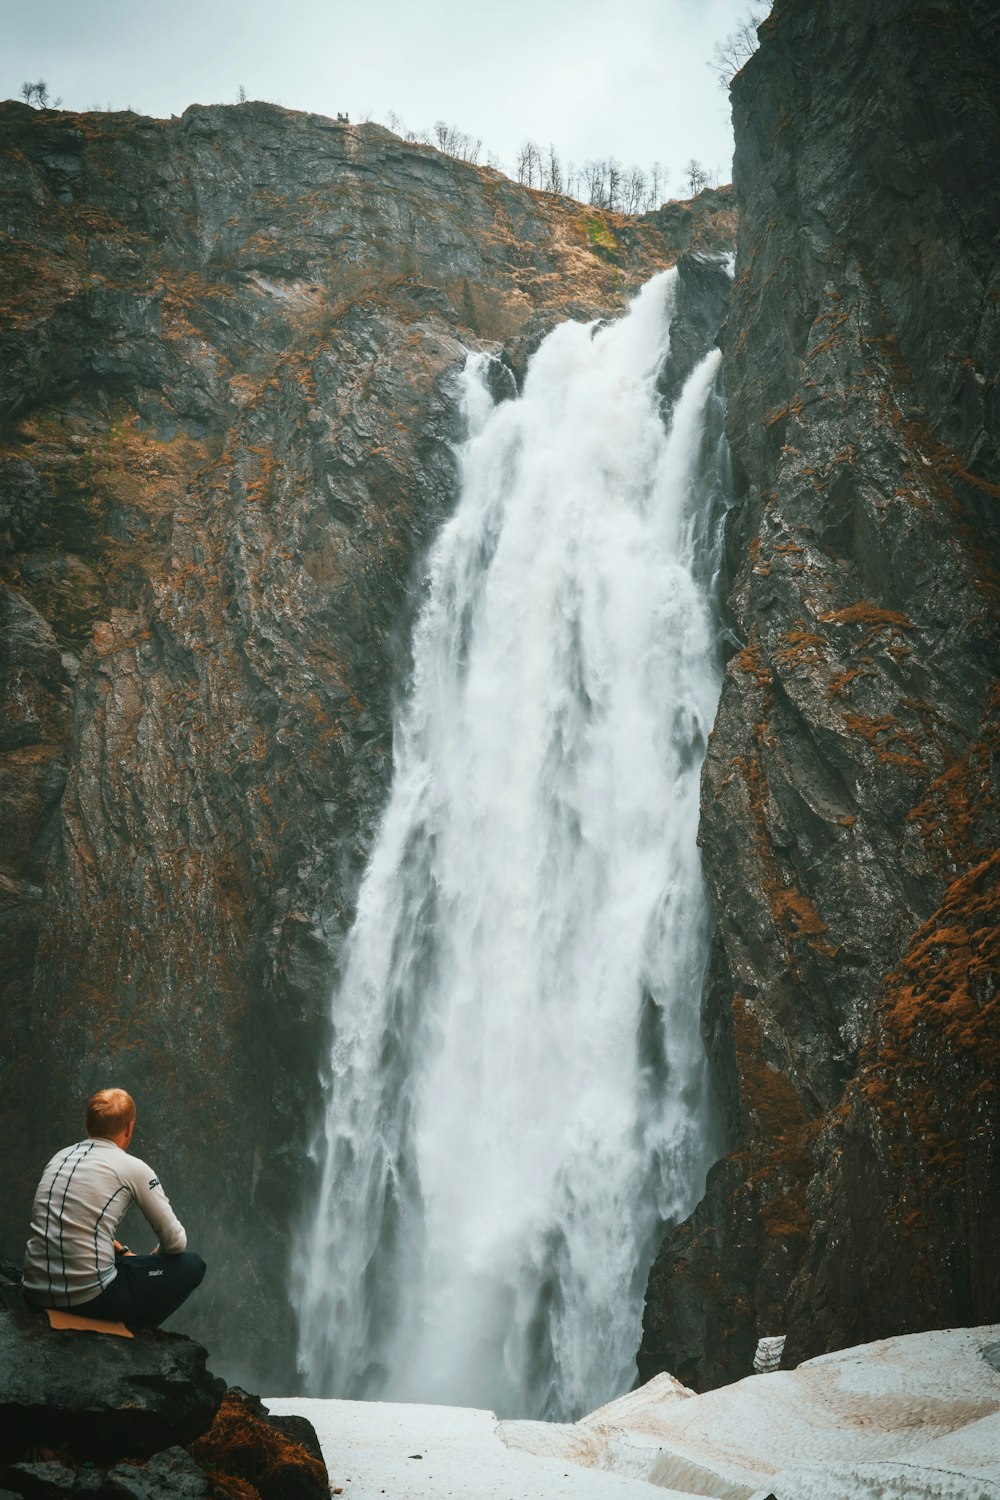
(147,1289)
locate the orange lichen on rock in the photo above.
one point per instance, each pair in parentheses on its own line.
(768,1091)
(34,285)
(932,1072)
(871,617)
(842,680)
(782,413)
(802,648)
(950,975)
(836,322)
(778,1165)
(953,812)
(761,566)
(752,661)
(249,1459)
(886,731)
(259,488)
(793,911)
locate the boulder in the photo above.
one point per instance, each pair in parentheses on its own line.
(48,1480)
(95,1397)
(170,1475)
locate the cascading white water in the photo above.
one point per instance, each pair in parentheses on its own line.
(516,1092)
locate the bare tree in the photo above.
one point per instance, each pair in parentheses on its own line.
(695,176)
(594,184)
(537,166)
(241,95)
(553,172)
(616,179)
(37,94)
(603,183)
(729,55)
(454,142)
(530,165)
(634,190)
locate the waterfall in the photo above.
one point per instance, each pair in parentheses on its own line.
(516,1088)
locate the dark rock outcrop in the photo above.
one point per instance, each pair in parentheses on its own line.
(850,814)
(96,1415)
(170,1475)
(228,346)
(702,225)
(97,1396)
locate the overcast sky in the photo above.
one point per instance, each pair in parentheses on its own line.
(625,78)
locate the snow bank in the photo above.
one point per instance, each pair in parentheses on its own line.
(914,1418)
(870,1419)
(409,1452)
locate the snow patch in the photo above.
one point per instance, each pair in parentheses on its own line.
(910,1418)
(411,1452)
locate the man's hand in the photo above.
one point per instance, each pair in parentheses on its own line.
(121,1249)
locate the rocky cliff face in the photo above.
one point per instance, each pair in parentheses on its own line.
(227,351)
(227,356)
(850,814)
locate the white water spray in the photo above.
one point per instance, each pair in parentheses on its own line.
(516,1092)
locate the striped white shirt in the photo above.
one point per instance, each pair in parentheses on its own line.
(81,1199)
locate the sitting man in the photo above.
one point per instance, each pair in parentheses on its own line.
(73,1259)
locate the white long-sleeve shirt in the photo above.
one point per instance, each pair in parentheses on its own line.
(81,1199)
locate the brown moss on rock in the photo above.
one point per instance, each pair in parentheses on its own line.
(873,620)
(248,1456)
(957,813)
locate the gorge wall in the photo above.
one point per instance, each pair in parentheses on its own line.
(228,344)
(849,817)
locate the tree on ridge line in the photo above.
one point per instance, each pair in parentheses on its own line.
(37,95)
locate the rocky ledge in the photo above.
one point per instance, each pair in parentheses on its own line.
(113,1418)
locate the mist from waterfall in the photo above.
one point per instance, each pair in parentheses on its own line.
(517,1085)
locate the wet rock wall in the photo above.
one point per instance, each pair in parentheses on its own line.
(850,817)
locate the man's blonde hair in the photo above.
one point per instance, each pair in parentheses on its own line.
(109,1112)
